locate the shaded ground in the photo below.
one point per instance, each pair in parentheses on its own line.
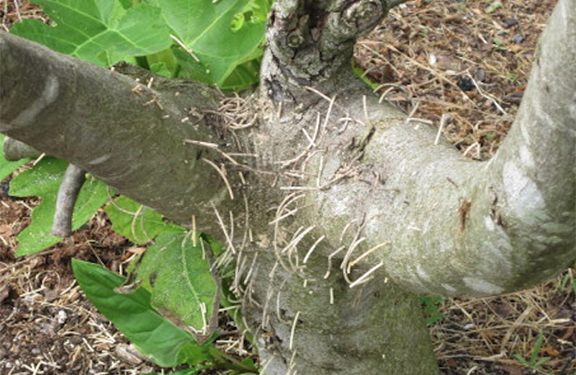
(462,65)
(46,324)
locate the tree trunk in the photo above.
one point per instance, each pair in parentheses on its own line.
(310,322)
(334,204)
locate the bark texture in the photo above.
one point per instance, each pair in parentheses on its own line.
(308,324)
(15,150)
(454,226)
(125,133)
(72,182)
(347,203)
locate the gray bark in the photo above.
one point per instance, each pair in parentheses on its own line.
(454,226)
(307,324)
(15,150)
(72,182)
(341,183)
(127,135)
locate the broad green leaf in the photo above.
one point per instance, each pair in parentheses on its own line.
(99,31)
(7,167)
(44,181)
(136,222)
(213,32)
(164,63)
(126,4)
(245,75)
(178,276)
(191,69)
(193,354)
(132,314)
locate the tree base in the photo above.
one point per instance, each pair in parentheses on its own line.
(312,325)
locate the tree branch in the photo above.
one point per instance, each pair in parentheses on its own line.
(454,226)
(15,150)
(310,42)
(72,182)
(125,133)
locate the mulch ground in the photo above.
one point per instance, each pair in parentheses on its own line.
(462,65)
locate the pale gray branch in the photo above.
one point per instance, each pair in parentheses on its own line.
(72,182)
(123,132)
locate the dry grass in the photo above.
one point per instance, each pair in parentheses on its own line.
(46,325)
(456,58)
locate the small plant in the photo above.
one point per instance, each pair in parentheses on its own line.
(431,306)
(567,281)
(493,7)
(498,43)
(512,76)
(534,363)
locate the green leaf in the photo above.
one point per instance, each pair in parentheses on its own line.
(537,347)
(99,31)
(44,181)
(432,308)
(133,315)
(434,318)
(250,363)
(194,353)
(167,60)
(522,360)
(178,275)
(192,69)
(7,167)
(190,371)
(161,69)
(541,361)
(215,34)
(126,4)
(493,7)
(136,222)
(362,74)
(245,75)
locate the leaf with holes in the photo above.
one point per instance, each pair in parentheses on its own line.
(44,181)
(99,31)
(178,275)
(154,336)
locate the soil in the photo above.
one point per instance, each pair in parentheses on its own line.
(461,65)
(46,325)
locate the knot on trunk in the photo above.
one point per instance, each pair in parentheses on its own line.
(361,17)
(310,40)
